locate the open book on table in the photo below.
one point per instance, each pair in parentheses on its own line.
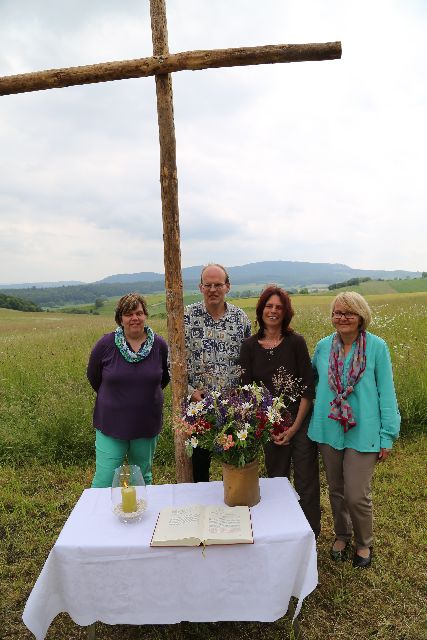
(196,524)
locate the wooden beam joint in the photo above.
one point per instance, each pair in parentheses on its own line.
(165,64)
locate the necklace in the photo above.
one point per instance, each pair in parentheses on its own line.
(270,345)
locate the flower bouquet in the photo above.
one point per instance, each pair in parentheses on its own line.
(232,425)
(235,424)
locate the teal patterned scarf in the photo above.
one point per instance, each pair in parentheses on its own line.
(127,353)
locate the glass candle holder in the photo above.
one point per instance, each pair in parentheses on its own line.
(128,493)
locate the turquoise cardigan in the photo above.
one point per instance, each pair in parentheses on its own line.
(373,400)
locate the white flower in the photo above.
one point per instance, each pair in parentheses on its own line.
(192,442)
(195,408)
(278,404)
(242,434)
(273,414)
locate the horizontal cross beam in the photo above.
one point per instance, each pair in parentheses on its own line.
(185,61)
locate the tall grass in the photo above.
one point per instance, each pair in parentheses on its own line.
(47,438)
(386,602)
(46,402)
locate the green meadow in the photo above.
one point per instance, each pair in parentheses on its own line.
(47,459)
(377,287)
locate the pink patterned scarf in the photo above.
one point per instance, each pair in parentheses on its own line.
(341,410)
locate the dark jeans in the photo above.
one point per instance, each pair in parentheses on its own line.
(201,460)
(303,454)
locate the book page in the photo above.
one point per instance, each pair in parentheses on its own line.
(228,525)
(179,526)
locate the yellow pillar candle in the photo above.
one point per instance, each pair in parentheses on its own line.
(128,499)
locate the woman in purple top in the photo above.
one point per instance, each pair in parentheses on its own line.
(128,370)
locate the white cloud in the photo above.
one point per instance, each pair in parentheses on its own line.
(320,161)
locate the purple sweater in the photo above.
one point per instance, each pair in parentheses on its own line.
(129,399)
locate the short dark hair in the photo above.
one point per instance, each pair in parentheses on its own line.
(127,303)
(274,290)
(215,264)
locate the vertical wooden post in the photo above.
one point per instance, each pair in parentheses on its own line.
(171,236)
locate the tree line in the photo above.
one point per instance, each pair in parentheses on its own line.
(81,294)
(348,283)
(17,303)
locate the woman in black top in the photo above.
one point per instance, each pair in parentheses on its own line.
(276,349)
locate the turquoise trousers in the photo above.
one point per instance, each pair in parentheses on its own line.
(111,452)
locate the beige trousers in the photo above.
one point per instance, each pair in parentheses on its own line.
(349,474)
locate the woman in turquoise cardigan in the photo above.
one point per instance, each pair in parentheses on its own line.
(355,420)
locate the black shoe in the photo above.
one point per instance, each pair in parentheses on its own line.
(340,556)
(362,563)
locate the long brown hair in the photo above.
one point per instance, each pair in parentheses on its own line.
(274,290)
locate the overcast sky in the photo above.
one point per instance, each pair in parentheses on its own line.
(312,161)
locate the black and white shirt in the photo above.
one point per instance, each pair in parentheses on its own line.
(213,346)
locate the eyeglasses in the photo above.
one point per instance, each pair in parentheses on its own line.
(348,315)
(217,286)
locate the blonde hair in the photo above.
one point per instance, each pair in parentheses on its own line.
(354,302)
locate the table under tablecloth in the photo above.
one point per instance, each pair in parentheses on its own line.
(102,569)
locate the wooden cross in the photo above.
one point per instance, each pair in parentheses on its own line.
(162,64)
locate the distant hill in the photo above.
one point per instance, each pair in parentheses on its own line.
(288,274)
(291,274)
(40,285)
(143,276)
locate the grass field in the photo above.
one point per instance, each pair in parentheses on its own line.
(46,458)
(380,287)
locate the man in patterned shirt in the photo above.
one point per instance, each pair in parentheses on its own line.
(214,331)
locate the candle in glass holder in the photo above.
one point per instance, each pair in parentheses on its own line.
(128,499)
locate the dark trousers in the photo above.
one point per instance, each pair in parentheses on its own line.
(201,460)
(302,453)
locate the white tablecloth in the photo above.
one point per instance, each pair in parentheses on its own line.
(102,569)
